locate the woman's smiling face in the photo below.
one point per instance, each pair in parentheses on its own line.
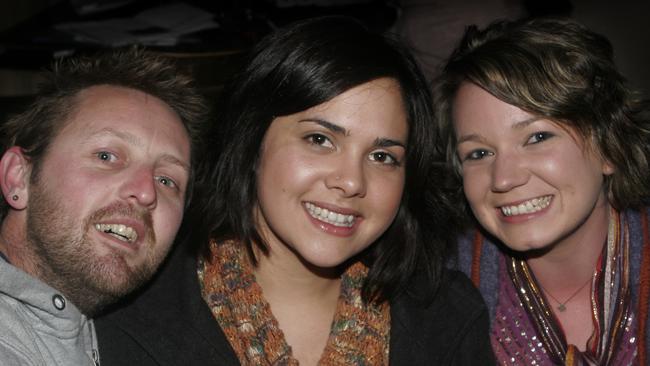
(530,182)
(330,178)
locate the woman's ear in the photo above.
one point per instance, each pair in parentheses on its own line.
(608,168)
(15,169)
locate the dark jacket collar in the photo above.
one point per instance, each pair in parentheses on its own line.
(174,297)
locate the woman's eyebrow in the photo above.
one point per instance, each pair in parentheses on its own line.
(515,126)
(386,142)
(329,125)
(524,123)
(379,141)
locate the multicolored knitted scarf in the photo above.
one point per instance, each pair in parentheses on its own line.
(359,335)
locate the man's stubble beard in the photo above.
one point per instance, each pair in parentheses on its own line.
(66,260)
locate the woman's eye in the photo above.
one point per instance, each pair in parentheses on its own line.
(538,137)
(320,140)
(106,156)
(384,158)
(166,181)
(477,154)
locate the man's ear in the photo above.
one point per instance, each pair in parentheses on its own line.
(15,170)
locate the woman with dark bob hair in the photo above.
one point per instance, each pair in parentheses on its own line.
(553,151)
(324,241)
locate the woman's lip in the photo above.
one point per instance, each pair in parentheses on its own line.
(513,215)
(516,203)
(335,208)
(342,231)
(341,228)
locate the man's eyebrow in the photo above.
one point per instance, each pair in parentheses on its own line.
(329,125)
(128,137)
(174,160)
(134,140)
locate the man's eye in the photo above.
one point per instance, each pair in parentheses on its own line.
(106,156)
(166,181)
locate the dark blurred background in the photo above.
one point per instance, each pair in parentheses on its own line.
(210,36)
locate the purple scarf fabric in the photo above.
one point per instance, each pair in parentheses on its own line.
(518,334)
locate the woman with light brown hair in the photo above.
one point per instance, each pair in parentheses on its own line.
(552,149)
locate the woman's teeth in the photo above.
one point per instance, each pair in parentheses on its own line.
(530,206)
(328,216)
(122,232)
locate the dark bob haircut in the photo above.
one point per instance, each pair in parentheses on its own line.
(295,68)
(557,69)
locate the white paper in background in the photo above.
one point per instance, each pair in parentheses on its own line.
(159,26)
(292,3)
(85,7)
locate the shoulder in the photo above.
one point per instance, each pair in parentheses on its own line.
(132,330)
(17,342)
(460,290)
(456,298)
(33,329)
(33,334)
(166,323)
(442,330)
(455,302)
(12,356)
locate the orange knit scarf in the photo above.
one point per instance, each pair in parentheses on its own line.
(359,334)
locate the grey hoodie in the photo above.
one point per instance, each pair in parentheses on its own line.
(39,326)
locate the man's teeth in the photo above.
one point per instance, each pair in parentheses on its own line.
(122,232)
(328,216)
(530,206)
